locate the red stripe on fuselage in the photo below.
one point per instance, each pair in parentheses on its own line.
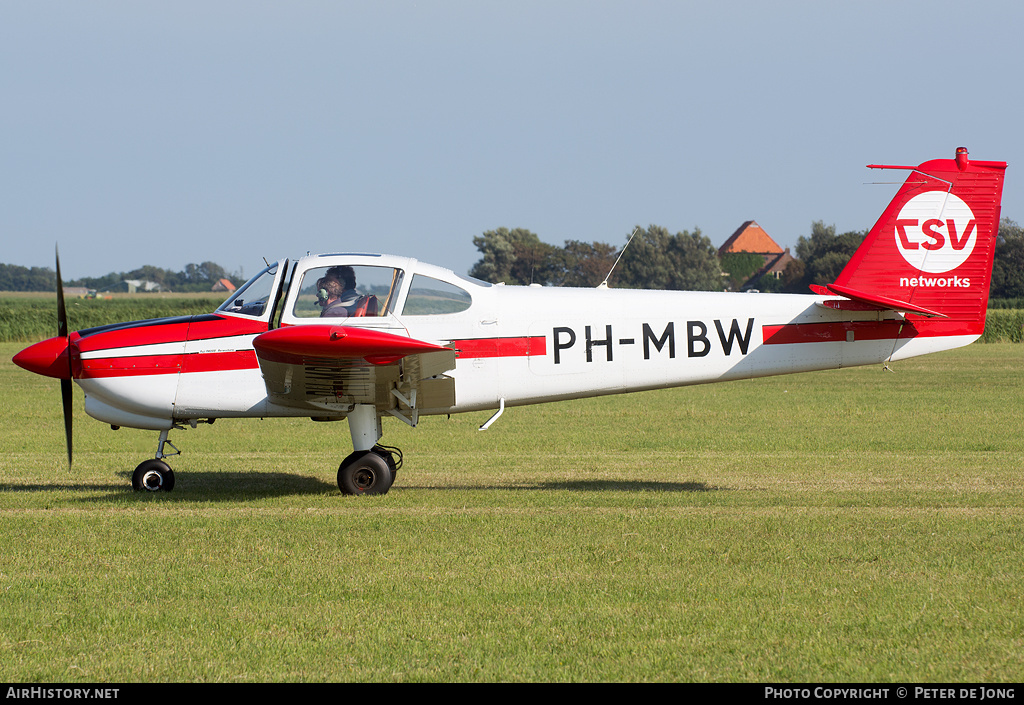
(836,332)
(135,366)
(913,327)
(500,347)
(144,365)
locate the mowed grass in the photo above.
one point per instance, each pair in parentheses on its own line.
(855,525)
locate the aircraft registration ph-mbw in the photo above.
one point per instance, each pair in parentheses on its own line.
(367,337)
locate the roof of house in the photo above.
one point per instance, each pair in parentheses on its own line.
(750,237)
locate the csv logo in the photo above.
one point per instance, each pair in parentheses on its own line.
(936,232)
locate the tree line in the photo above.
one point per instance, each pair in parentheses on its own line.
(656,259)
(194,277)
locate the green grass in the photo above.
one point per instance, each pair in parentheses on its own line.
(849,526)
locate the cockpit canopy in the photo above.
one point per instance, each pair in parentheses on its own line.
(351,286)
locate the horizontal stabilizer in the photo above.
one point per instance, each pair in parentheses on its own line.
(882,302)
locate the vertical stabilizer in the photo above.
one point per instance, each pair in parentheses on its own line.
(932,248)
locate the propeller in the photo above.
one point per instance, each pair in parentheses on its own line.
(65,382)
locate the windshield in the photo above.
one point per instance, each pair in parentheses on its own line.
(252,298)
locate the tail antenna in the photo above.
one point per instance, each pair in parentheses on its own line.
(604,284)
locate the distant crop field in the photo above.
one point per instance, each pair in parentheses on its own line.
(31,317)
(858,525)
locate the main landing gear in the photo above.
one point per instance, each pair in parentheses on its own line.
(369,471)
(371,468)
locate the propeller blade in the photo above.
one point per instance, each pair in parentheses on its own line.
(62,314)
(65,384)
(65,395)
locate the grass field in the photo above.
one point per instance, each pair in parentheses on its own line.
(856,525)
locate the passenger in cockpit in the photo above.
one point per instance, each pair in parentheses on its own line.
(336,292)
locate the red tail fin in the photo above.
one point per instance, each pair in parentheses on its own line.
(931,251)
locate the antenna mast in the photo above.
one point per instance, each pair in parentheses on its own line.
(604,284)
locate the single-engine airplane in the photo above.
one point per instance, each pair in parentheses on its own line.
(366,336)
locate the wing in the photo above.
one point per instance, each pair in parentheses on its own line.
(325,369)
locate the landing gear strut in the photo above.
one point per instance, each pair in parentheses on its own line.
(155,475)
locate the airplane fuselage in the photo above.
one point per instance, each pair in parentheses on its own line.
(522,345)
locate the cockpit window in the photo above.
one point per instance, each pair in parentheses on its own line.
(344,290)
(429,296)
(252,298)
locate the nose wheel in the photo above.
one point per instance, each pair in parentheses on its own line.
(153,476)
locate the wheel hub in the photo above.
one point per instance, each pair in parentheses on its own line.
(152,480)
(364,478)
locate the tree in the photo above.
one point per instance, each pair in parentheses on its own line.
(516,257)
(207,273)
(1008,266)
(586,264)
(655,259)
(14,277)
(790,281)
(824,253)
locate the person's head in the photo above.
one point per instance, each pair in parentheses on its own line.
(344,274)
(328,288)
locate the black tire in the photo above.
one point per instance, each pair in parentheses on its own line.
(389,457)
(365,472)
(153,476)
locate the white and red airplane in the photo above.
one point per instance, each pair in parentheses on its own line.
(407,339)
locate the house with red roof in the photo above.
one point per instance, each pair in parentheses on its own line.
(751,238)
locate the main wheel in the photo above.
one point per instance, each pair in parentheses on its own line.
(153,476)
(389,454)
(365,472)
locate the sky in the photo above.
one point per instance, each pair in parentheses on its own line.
(164,133)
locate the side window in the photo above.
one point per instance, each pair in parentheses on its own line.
(429,296)
(346,291)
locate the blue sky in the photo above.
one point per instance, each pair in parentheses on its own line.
(166,133)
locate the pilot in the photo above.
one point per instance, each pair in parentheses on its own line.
(336,292)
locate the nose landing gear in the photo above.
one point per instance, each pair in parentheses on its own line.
(155,475)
